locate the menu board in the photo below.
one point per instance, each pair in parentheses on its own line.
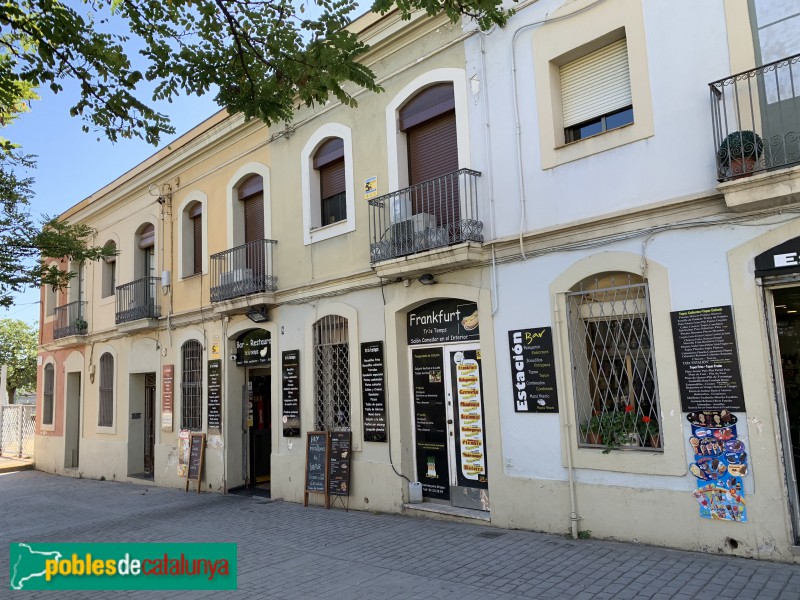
(707,359)
(197,444)
(290,385)
(339,463)
(317,445)
(471,438)
(430,422)
(373,391)
(215,397)
(167,383)
(533,372)
(443,321)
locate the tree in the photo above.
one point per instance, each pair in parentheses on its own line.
(18,341)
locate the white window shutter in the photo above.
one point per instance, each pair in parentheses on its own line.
(596,84)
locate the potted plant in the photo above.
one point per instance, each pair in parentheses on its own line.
(649,432)
(739,152)
(613,428)
(80,325)
(592,429)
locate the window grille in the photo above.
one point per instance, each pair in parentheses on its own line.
(47,395)
(613,371)
(332,374)
(105,417)
(192,386)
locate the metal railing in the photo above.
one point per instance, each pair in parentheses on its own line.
(436,213)
(138,300)
(70,320)
(17,429)
(244,270)
(756,119)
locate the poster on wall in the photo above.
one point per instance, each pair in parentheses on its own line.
(215,397)
(167,386)
(707,360)
(290,391)
(373,392)
(443,321)
(471,441)
(720,464)
(183,452)
(533,371)
(430,422)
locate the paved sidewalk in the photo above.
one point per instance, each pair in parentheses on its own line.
(289,552)
(10,464)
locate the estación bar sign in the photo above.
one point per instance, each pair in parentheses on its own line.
(780,260)
(443,321)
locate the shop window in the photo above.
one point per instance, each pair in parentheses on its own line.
(332,374)
(109,276)
(47,395)
(192,386)
(614,379)
(105,416)
(596,92)
(329,164)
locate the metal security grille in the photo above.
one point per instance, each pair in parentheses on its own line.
(332,373)
(17,429)
(105,417)
(47,395)
(613,370)
(192,386)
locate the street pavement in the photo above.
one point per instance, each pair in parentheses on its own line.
(287,552)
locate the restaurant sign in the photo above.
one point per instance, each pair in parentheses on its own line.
(253,348)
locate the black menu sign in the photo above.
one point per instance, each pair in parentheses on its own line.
(215,396)
(430,422)
(373,391)
(316,461)
(443,321)
(290,385)
(339,464)
(708,362)
(533,372)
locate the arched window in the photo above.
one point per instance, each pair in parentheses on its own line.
(611,350)
(329,164)
(146,244)
(105,417)
(332,373)
(192,386)
(251,195)
(192,236)
(47,394)
(109,278)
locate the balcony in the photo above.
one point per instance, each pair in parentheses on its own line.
(137,301)
(756,134)
(245,272)
(70,320)
(428,218)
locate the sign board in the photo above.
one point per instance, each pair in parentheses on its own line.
(254,347)
(370,187)
(317,448)
(197,445)
(215,397)
(707,359)
(430,422)
(780,260)
(339,463)
(183,452)
(290,386)
(167,387)
(443,321)
(373,392)
(533,371)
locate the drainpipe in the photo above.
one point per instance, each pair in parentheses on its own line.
(573,501)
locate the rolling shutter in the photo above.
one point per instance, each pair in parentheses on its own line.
(254,218)
(596,84)
(331,178)
(197,227)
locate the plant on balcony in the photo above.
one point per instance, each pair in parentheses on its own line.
(80,324)
(739,152)
(612,428)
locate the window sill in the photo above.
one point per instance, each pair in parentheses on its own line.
(324,232)
(595,144)
(112,430)
(594,136)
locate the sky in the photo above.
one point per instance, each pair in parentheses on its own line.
(71,164)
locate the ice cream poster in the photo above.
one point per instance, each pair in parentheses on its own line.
(720,464)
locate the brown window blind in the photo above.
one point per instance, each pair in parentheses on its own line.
(430,103)
(197,227)
(332,179)
(250,187)
(330,151)
(254,218)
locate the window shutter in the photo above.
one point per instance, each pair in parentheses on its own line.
(147,238)
(332,179)
(433,149)
(197,226)
(596,84)
(254,218)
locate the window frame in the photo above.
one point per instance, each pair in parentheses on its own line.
(108,277)
(106,392)
(50,424)
(332,393)
(192,387)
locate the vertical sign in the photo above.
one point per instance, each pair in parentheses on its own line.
(373,391)
(533,372)
(430,422)
(167,385)
(317,449)
(215,397)
(339,464)
(471,437)
(290,385)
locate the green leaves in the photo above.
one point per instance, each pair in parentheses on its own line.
(18,341)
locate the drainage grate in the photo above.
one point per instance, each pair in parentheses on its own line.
(491,534)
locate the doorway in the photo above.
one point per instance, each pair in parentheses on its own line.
(786,320)
(450,440)
(259,426)
(149,424)
(72,421)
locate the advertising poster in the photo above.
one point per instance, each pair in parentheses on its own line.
(183,452)
(471,442)
(430,422)
(533,371)
(167,383)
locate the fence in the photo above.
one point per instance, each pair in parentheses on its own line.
(17,429)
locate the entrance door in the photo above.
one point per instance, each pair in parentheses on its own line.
(786,307)
(260,427)
(149,423)
(72,421)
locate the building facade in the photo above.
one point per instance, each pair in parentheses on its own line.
(549,274)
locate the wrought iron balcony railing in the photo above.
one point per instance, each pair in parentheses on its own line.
(70,320)
(756,119)
(432,214)
(138,300)
(244,270)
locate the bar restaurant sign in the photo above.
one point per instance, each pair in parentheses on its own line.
(782,259)
(443,321)
(253,347)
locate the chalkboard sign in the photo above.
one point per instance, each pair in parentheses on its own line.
(533,371)
(339,463)
(373,390)
(317,456)
(215,396)
(197,444)
(290,383)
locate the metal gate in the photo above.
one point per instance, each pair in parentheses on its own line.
(17,429)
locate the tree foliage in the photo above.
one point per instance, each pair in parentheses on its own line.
(18,342)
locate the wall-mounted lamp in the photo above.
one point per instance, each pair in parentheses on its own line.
(258,314)
(426,279)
